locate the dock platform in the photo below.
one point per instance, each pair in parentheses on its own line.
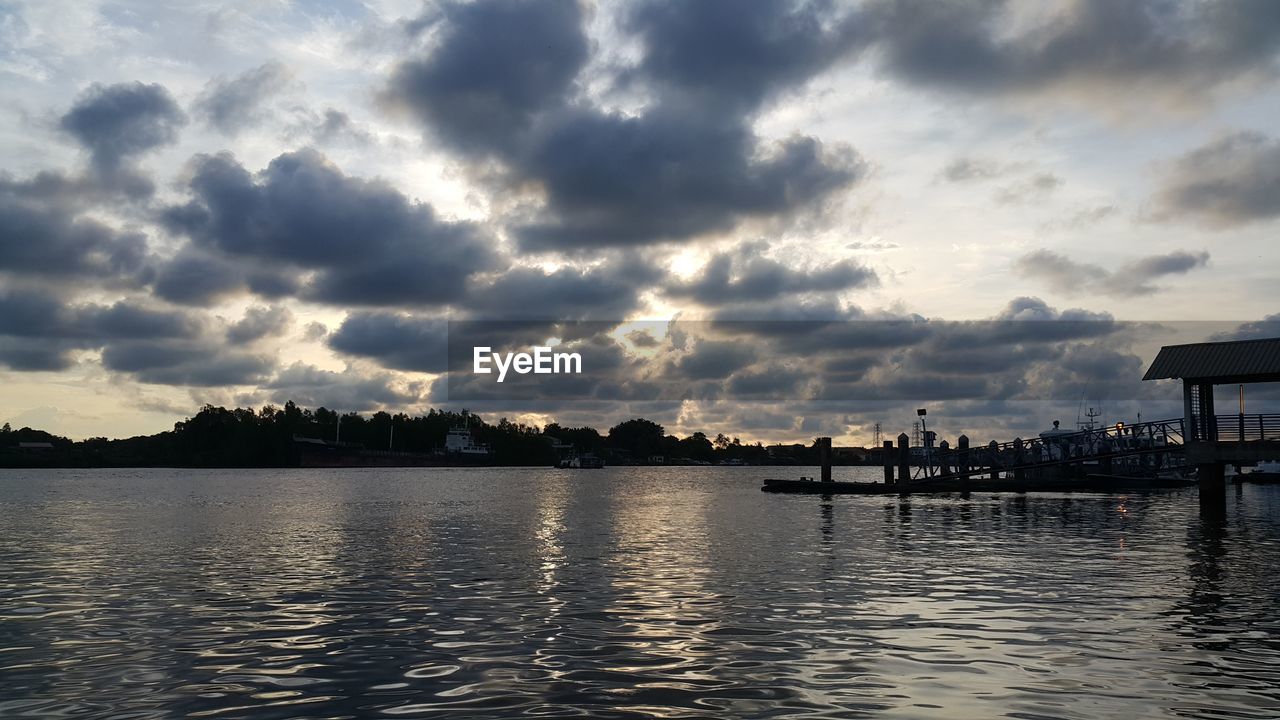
(1105,484)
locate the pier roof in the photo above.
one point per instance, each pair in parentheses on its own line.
(1238,361)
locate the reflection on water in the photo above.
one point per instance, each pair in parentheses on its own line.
(666,592)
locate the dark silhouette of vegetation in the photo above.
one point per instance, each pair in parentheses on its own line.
(243,437)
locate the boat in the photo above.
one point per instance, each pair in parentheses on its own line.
(459,442)
(1264,472)
(586,461)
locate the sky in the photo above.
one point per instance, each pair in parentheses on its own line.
(772,220)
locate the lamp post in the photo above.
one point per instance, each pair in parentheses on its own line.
(924,430)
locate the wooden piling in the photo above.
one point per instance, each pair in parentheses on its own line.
(1212,478)
(962,464)
(993,453)
(904,458)
(887,450)
(824,457)
(943,448)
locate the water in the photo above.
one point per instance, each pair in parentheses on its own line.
(663,592)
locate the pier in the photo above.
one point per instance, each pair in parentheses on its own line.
(1160,453)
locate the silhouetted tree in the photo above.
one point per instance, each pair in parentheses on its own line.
(638,437)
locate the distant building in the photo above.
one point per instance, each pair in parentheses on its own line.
(854,454)
(784,451)
(558,444)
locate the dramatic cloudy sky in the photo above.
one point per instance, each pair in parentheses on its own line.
(773,213)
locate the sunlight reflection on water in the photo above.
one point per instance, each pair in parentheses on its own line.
(661,592)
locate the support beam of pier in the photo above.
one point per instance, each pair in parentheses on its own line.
(904,458)
(1212,478)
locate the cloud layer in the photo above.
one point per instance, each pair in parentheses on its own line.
(800,194)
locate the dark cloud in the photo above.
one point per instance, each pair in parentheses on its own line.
(744,275)
(398,341)
(771,381)
(198,363)
(604,292)
(122,320)
(35,355)
(1028,351)
(118,122)
(780,314)
(259,322)
(1267,327)
(38,331)
(1229,182)
(197,279)
(642,339)
(365,241)
(713,360)
(613,180)
(495,66)
(1131,279)
(335,125)
(27,314)
(347,391)
(232,105)
(737,55)
(43,233)
(498,84)
(39,313)
(1093,47)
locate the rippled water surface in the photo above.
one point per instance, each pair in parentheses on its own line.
(664,592)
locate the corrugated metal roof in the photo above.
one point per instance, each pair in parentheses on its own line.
(1229,361)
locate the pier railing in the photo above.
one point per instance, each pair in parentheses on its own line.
(1247,428)
(1153,445)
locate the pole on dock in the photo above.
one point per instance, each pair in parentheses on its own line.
(962,444)
(824,457)
(943,468)
(887,451)
(1018,458)
(1213,487)
(993,452)
(904,458)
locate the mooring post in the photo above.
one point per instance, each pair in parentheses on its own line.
(887,451)
(962,464)
(1019,456)
(904,458)
(943,448)
(1212,478)
(1213,491)
(824,457)
(993,452)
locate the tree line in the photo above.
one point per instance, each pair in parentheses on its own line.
(243,437)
